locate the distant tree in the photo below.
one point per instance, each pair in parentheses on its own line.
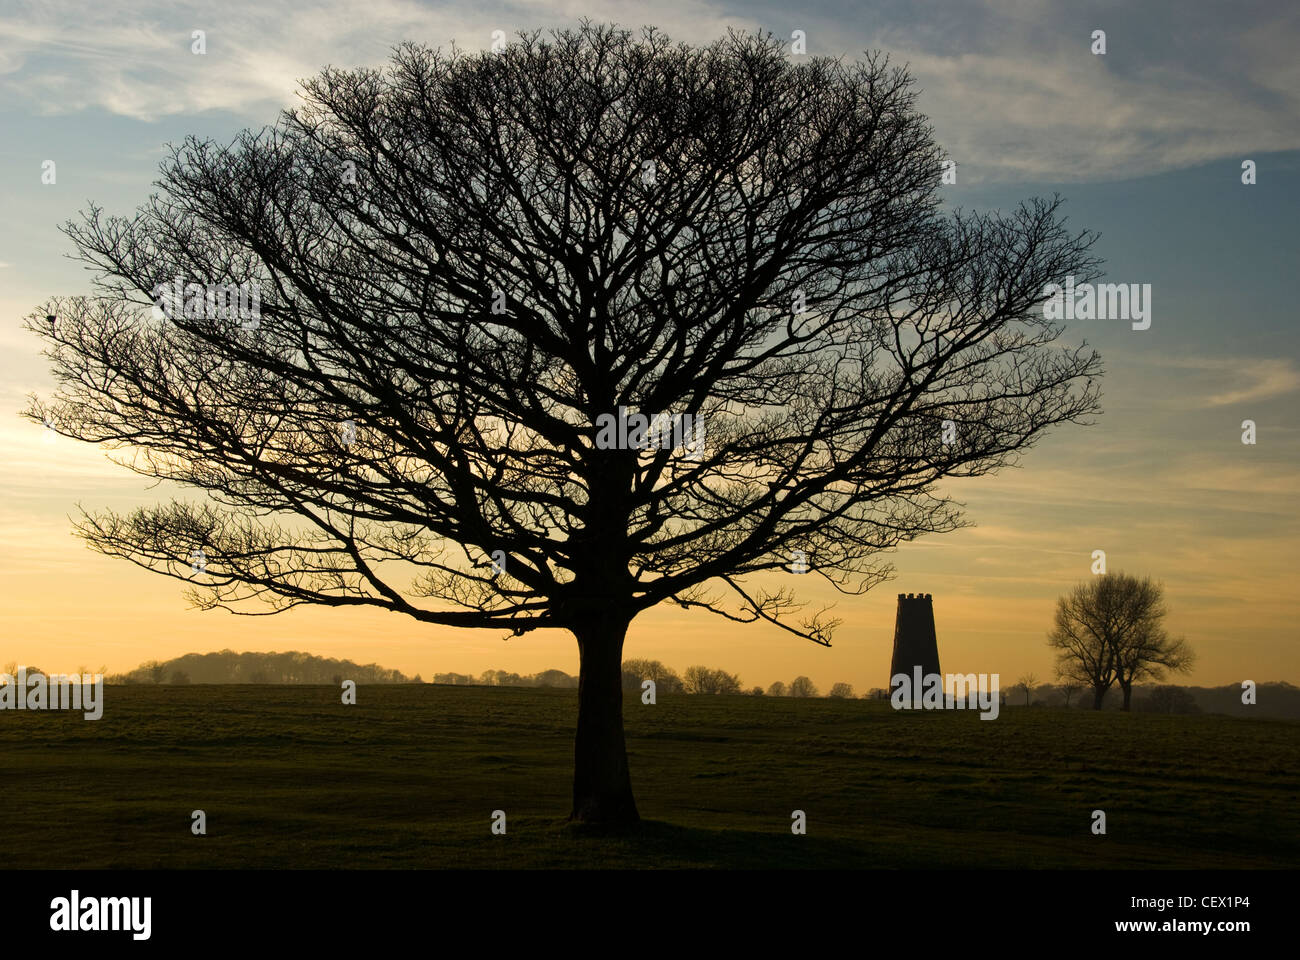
(876,693)
(1069,689)
(841,691)
(802,687)
(777,689)
(555,678)
(180,678)
(1082,658)
(1148,652)
(417,679)
(698,680)
(155,670)
(455,679)
(727,682)
(756,692)
(11,668)
(1109,630)
(665,678)
(1170,699)
(704,680)
(1027,683)
(337,679)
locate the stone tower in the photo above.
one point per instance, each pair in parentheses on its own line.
(914,641)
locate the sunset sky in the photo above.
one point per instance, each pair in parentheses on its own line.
(1146,143)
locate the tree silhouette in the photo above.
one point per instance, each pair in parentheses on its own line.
(1027,682)
(1143,650)
(471,272)
(1108,630)
(665,678)
(802,687)
(1170,699)
(704,680)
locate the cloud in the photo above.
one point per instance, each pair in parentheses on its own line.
(1012,87)
(1269,378)
(141,66)
(1251,378)
(1016,93)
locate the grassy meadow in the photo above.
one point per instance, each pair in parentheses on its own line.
(289,777)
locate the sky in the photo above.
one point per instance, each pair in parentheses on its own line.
(1145,142)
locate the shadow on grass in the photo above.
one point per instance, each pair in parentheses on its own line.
(658,843)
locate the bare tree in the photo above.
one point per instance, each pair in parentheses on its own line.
(1027,682)
(1108,630)
(802,687)
(841,691)
(1145,651)
(1083,654)
(777,689)
(473,272)
(704,680)
(1069,689)
(665,678)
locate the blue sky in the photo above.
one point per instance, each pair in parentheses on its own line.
(1145,142)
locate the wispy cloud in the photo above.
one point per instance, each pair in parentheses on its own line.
(1267,378)
(1012,87)
(1226,381)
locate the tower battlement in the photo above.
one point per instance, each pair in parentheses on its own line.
(915,643)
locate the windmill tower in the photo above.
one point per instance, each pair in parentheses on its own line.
(914,640)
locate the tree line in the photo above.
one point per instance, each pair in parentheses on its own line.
(227,666)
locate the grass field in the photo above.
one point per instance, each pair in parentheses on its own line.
(289,777)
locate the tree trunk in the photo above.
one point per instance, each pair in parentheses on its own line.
(1098,694)
(1128,695)
(602,786)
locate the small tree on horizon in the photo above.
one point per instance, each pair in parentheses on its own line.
(707,681)
(1027,682)
(665,678)
(802,687)
(1109,630)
